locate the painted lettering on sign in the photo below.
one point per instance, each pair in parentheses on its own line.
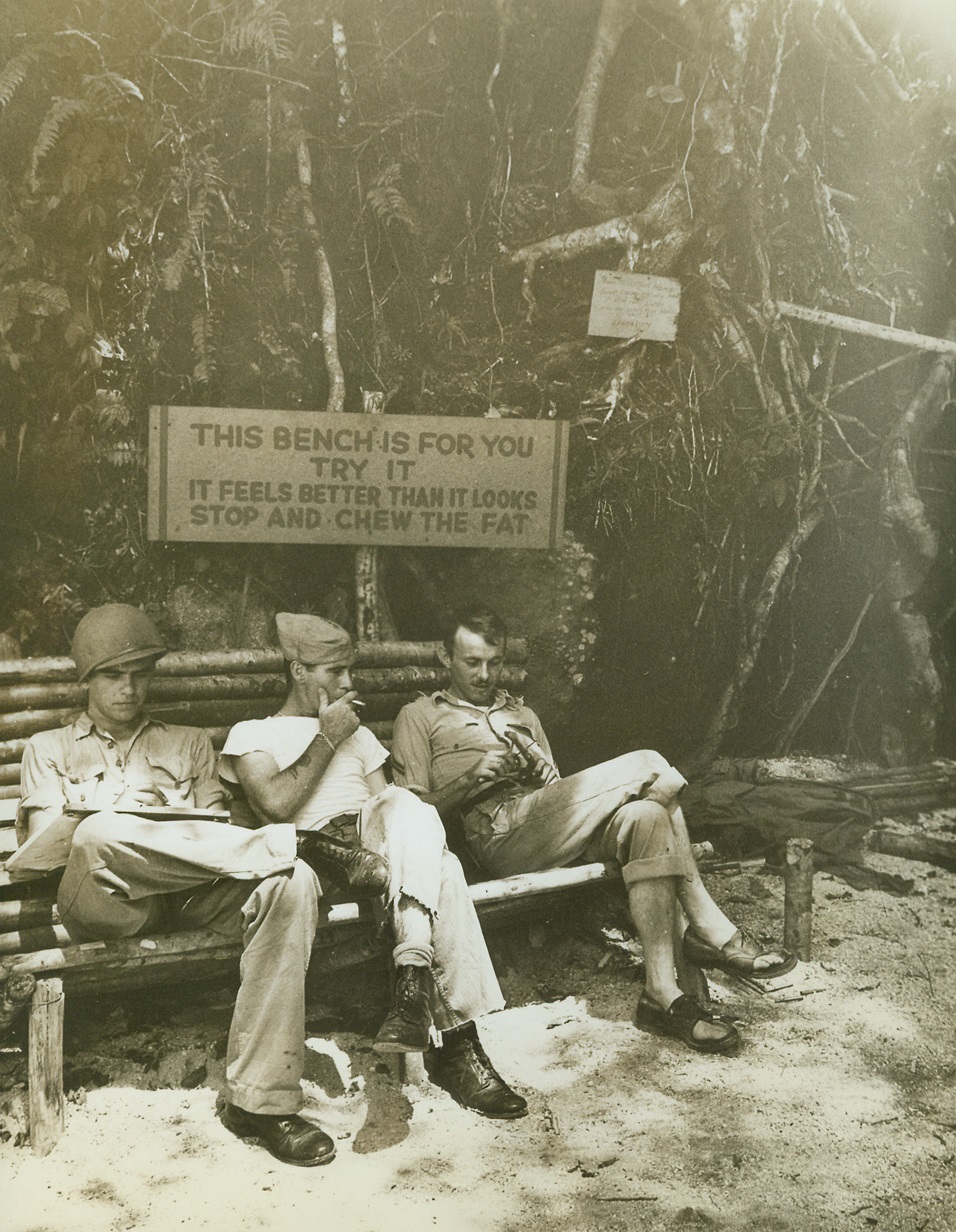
(297,476)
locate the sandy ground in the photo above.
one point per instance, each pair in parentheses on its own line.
(839,1112)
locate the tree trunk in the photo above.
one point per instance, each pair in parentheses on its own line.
(911,544)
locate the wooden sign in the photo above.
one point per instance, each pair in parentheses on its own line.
(625,305)
(228,476)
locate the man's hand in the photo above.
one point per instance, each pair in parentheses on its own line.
(140,795)
(337,719)
(495,764)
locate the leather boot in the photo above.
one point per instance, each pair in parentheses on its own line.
(462,1068)
(290,1138)
(408,1022)
(363,873)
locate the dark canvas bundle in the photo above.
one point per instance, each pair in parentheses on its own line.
(745,813)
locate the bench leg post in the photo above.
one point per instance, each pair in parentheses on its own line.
(411,1069)
(46,1065)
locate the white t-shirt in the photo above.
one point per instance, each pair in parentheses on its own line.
(344,786)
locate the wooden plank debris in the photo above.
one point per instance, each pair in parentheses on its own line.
(869,329)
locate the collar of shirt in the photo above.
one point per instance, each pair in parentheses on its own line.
(503,701)
(84,726)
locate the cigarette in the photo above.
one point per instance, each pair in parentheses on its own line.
(356,702)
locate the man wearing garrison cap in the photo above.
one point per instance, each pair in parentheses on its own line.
(314,765)
(128,873)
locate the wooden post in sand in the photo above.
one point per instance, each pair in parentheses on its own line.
(46,1065)
(798,897)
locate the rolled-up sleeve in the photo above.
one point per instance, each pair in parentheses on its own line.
(411,750)
(208,791)
(41,788)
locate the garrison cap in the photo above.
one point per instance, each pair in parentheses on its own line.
(312,639)
(112,635)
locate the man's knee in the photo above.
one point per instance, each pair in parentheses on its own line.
(301,885)
(95,836)
(645,842)
(645,763)
(411,818)
(641,826)
(451,869)
(294,894)
(414,806)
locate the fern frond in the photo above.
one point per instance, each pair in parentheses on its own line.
(387,202)
(174,267)
(41,299)
(266,32)
(13,74)
(103,88)
(204,360)
(63,110)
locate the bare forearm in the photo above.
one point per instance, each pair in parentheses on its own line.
(277,795)
(448,799)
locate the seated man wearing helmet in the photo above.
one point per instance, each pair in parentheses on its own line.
(128,874)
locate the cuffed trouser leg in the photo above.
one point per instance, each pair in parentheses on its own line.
(121,866)
(640,838)
(425,875)
(557,824)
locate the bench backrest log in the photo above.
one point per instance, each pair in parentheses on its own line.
(212,690)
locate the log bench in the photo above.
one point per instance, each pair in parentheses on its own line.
(39,963)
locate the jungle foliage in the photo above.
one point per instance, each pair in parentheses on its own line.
(283,203)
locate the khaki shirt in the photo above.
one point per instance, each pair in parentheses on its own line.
(438,738)
(78,764)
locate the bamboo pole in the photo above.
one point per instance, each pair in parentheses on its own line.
(70,960)
(27,913)
(524,885)
(384,695)
(47,695)
(206,662)
(11,750)
(27,722)
(869,329)
(46,1065)
(29,940)
(368,598)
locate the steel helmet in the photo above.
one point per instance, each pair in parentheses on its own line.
(114,634)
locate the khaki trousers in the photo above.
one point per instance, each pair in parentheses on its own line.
(127,875)
(618,810)
(423,872)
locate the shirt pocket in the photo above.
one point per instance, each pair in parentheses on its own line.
(174,776)
(82,787)
(453,739)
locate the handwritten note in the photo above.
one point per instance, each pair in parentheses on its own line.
(626,305)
